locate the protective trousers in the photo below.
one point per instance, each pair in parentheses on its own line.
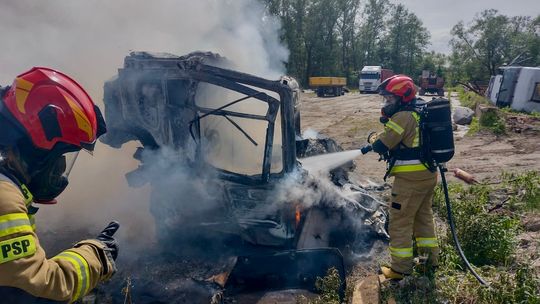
(411,216)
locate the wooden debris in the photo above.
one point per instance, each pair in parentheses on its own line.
(367,291)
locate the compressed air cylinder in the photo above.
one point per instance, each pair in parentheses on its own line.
(438,126)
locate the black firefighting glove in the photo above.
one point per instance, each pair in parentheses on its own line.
(365,149)
(106,237)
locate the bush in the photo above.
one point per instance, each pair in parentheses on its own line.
(521,285)
(486,239)
(328,287)
(470,99)
(493,121)
(523,190)
(490,121)
(474,127)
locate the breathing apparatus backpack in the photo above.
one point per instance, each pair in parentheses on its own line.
(437,140)
(437,148)
(436,134)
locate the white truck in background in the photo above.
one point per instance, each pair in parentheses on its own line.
(371,77)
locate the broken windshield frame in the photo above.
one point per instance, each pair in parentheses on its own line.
(250,85)
(198,118)
(265,167)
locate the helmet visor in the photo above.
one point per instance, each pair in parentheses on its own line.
(70,159)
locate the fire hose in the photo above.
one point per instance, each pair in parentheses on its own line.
(443,169)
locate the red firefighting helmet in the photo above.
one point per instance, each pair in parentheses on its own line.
(399,85)
(52,108)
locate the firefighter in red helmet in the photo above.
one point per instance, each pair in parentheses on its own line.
(410,211)
(46,118)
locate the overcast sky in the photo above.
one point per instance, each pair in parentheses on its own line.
(440,16)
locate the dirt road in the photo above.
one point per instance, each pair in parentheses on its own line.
(348,119)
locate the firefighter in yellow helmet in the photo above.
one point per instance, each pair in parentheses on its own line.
(46,118)
(411,216)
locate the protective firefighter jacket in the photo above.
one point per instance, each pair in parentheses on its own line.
(412,194)
(24,268)
(402,134)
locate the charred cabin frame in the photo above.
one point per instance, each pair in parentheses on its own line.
(189,71)
(141,104)
(170,117)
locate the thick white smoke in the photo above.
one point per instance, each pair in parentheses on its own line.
(88,41)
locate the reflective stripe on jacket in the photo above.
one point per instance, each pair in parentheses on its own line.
(408,166)
(402,132)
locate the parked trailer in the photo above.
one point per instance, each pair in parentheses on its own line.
(516,87)
(328,85)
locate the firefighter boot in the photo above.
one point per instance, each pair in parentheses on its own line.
(390,274)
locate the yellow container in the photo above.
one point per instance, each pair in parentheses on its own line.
(327,81)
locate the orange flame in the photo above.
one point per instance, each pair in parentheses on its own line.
(297,216)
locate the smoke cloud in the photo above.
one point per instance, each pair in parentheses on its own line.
(88,41)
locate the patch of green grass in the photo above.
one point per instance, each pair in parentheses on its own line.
(491,121)
(328,287)
(523,190)
(517,285)
(470,99)
(489,239)
(486,238)
(474,127)
(512,111)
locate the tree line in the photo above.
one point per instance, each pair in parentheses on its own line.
(339,37)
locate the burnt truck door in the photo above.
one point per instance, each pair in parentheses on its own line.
(244,125)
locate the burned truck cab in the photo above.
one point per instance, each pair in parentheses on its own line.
(212,121)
